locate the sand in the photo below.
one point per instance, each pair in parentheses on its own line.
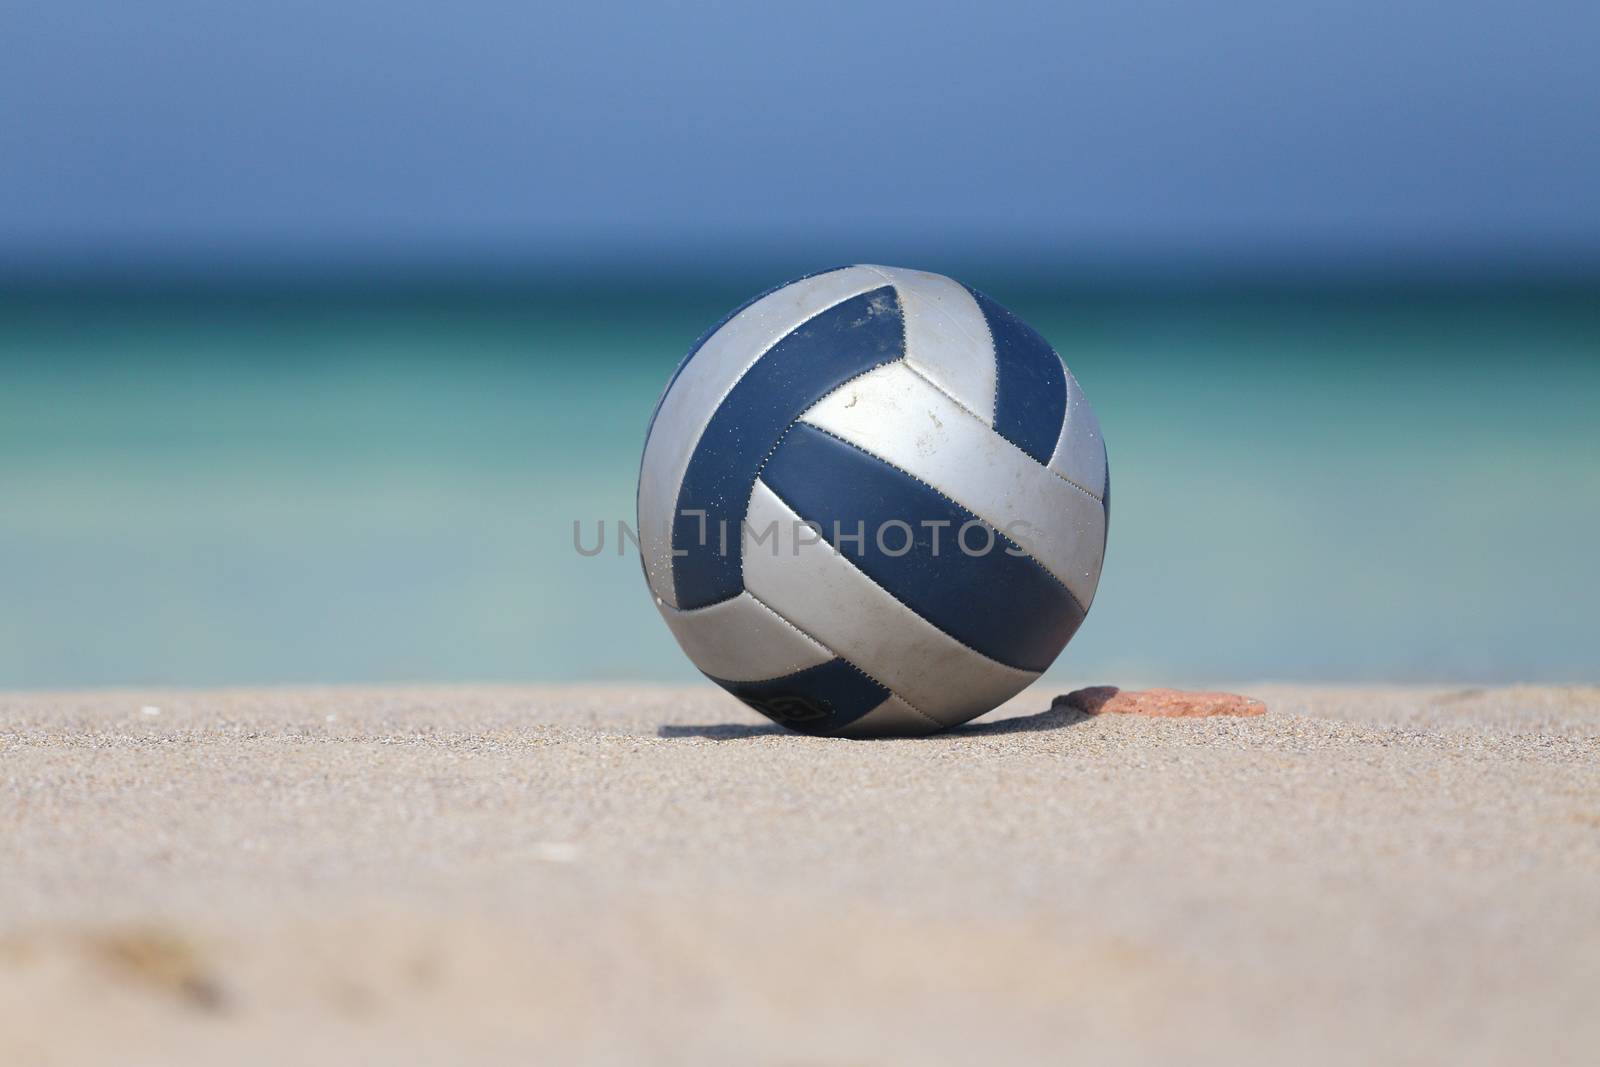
(438,875)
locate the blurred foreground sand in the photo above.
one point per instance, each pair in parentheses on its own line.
(439,875)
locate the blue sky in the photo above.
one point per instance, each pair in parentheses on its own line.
(1146,131)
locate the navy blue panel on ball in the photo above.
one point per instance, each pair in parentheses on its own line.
(1030,397)
(1006,606)
(693,349)
(719,324)
(818,700)
(822,353)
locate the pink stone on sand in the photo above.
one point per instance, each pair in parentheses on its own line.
(1159,703)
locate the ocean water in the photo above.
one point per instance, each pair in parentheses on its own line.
(259,486)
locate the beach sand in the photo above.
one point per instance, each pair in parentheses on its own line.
(649,874)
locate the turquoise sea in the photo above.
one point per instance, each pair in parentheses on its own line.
(260,485)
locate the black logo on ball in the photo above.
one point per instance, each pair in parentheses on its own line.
(791,709)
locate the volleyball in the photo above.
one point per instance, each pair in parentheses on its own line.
(873,502)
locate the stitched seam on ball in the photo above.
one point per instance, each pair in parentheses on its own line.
(846,661)
(890,594)
(994,346)
(951,319)
(997,532)
(801,418)
(758,358)
(989,334)
(824,649)
(957,402)
(807,637)
(1066,412)
(1068,426)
